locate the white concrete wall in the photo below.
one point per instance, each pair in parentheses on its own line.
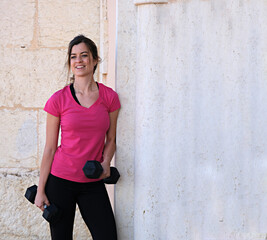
(198,94)
(125,82)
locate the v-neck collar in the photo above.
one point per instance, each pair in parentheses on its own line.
(75,99)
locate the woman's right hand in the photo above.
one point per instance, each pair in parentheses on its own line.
(41,200)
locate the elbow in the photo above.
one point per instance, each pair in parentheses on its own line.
(111,140)
(49,151)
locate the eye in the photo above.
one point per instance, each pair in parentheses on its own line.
(72,57)
(84,55)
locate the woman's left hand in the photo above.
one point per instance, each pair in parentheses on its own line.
(106,170)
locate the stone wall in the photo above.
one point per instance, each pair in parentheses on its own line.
(33,44)
(192,133)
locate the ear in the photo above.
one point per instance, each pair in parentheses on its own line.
(95,62)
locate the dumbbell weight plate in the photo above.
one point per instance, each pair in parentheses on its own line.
(114,176)
(31,193)
(51,213)
(92,169)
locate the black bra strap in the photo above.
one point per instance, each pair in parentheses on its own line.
(73,94)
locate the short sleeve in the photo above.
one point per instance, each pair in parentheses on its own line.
(52,105)
(115,103)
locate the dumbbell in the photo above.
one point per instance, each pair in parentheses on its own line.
(93,169)
(51,213)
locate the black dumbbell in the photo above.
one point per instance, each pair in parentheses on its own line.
(51,213)
(93,169)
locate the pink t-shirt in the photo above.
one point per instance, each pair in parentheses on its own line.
(83,131)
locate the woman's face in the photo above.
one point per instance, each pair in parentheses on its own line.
(81,60)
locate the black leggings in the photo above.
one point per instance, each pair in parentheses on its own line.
(94,205)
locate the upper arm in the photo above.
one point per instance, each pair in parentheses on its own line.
(52,132)
(111,134)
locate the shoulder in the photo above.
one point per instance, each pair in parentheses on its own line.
(62,91)
(56,101)
(107,93)
(59,94)
(110,97)
(107,90)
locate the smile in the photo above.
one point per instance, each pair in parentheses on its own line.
(80,67)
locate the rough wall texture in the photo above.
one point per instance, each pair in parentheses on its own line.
(33,44)
(199,144)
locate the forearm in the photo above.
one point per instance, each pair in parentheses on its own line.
(110,145)
(109,150)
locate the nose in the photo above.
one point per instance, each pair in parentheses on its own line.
(79,58)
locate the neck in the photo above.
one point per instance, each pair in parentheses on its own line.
(83,85)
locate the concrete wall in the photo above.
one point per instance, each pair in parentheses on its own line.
(34,38)
(126,81)
(192,131)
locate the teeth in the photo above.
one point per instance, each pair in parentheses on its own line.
(79,67)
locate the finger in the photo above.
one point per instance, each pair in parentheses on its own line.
(44,206)
(46,203)
(41,207)
(104,175)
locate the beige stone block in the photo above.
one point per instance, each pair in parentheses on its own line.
(18,148)
(21,220)
(17,22)
(30,77)
(59,23)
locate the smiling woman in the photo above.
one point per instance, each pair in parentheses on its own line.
(86,112)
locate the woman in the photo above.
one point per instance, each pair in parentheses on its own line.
(87,114)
